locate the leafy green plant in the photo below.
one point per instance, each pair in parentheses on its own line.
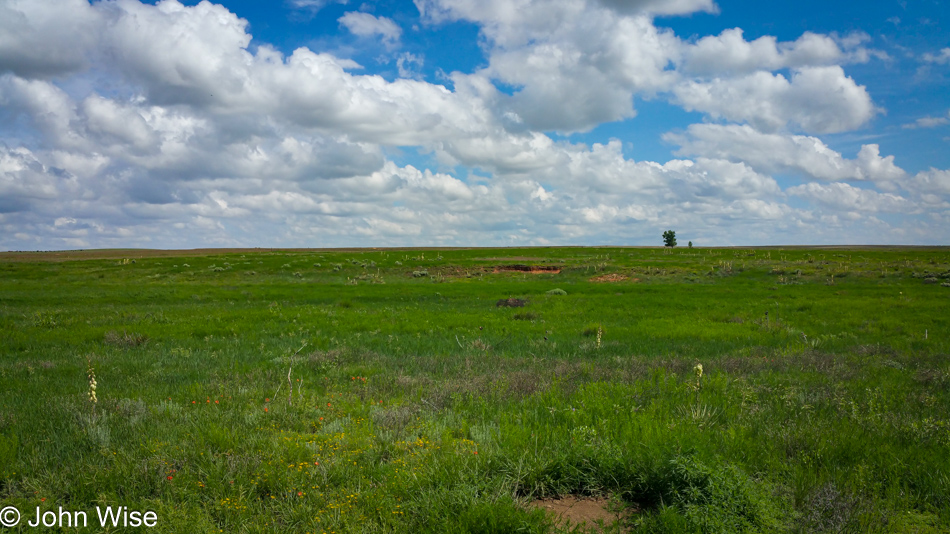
(526,316)
(43,319)
(695,497)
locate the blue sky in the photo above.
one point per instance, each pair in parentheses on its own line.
(472,122)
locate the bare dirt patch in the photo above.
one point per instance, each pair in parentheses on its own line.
(613,277)
(532,269)
(511,303)
(593,513)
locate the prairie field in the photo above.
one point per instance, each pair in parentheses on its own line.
(688,390)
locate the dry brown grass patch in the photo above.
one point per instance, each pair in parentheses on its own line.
(511,303)
(125,340)
(612,277)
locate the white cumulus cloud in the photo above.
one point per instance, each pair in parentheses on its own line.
(815,100)
(842,196)
(45,39)
(777,153)
(730,53)
(367,25)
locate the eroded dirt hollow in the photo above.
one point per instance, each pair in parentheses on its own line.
(591,513)
(531,269)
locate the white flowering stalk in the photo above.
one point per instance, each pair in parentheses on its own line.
(698,373)
(91,374)
(600,332)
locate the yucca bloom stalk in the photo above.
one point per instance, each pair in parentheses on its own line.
(91,374)
(698,373)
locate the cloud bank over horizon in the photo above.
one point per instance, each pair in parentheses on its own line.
(130,124)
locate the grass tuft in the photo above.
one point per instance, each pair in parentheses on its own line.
(125,340)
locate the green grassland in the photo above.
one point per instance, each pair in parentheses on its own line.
(386,391)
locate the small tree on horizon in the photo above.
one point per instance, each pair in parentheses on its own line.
(690,244)
(669,238)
